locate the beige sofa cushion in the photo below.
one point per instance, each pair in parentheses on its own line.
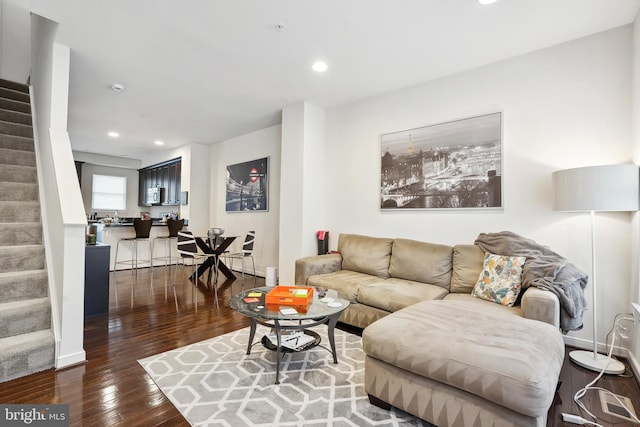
(494,354)
(394,294)
(467,265)
(346,282)
(369,255)
(421,262)
(481,304)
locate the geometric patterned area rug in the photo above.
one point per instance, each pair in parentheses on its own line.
(214,383)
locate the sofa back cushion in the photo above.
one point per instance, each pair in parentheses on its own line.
(421,262)
(467,265)
(365,254)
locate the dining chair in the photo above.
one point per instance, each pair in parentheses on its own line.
(188,249)
(246,252)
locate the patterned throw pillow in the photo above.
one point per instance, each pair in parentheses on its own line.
(500,279)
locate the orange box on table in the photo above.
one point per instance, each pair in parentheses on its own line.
(285,296)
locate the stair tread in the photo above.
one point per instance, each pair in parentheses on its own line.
(27,204)
(41,338)
(13,90)
(22,285)
(30,352)
(18,202)
(25,273)
(24,303)
(28,167)
(28,138)
(31,184)
(15,124)
(13,128)
(13,248)
(22,113)
(17,169)
(19,191)
(15,162)
(15,116)
(15,86)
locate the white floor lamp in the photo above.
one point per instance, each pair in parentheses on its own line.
(609,188)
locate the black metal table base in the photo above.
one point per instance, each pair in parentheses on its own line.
(330,321)
(215,256)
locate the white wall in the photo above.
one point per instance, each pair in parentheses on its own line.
(634,355)
(301,183)
(565,106)
(635,123)
(15,37)
(195,173)
(132,210)
(255,145)
(200,171)
(104,160)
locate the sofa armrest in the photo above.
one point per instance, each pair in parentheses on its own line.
(319,264)
(541,305)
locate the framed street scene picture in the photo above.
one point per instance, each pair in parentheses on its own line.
(248,186)
(452,165)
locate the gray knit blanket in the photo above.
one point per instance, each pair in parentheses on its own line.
(543,269)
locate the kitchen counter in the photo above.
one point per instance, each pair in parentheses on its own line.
(110,234)
(130,224)
(126,222)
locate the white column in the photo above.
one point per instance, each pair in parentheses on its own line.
(302,197)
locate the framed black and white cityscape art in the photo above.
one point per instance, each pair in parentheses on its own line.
(452,165)
(248,186)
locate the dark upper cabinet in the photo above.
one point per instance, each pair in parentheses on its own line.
(173,187)
(79,172)
(142,187)
(165,175)
(177,183)
(164,183)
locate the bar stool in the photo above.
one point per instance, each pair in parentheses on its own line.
(142,229)
(174,225)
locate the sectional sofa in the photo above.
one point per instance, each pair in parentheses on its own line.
(433,347)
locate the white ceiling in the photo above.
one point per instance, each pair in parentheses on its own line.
(207,70)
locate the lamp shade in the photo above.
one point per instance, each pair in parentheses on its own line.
(597,188)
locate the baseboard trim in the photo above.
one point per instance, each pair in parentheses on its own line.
(635,366)
(71,359)
(583,344)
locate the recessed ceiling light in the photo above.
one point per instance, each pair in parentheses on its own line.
(158,142)
(319,66)
(113,134)
(487,1)
(117,87)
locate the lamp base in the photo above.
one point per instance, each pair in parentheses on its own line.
(597,362)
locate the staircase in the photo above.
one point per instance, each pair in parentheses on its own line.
(26,338)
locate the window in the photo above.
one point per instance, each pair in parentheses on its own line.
(109,192)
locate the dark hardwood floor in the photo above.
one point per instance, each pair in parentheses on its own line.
(112,389)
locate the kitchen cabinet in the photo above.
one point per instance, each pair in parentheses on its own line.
(142,187)
(79,171)
(165,175)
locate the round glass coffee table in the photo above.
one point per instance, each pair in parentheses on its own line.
(320,311)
